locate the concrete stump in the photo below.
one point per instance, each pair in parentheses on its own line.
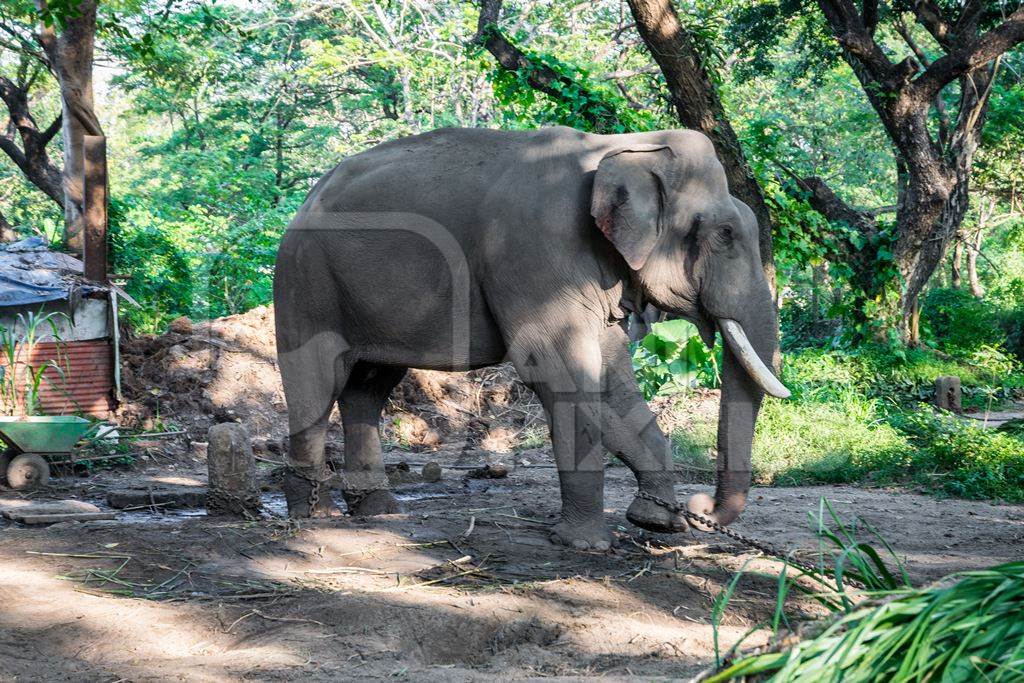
(232,469)
(947,393)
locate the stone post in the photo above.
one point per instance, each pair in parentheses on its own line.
(232,470)
(947,393)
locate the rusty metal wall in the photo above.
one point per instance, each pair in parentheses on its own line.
(85,383)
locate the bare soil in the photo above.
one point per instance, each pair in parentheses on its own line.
(462,586)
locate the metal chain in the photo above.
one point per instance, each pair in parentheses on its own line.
(314,496)
(314,491)
(764,546)
(247,506)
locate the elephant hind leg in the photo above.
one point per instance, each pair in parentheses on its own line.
(365,486)
(313,373)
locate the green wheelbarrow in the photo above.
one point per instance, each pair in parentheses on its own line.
(31,440)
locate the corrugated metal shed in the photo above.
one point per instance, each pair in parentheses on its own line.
(79,377)
(35,280)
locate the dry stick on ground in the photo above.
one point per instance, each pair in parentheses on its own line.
(260,614)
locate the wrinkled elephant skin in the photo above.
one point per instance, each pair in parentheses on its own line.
(463,248)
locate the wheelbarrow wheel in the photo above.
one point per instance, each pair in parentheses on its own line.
(27,471)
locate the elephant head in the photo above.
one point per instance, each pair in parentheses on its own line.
(693,250)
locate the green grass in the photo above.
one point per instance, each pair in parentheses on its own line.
(840,427)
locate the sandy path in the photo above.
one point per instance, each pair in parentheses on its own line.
(348,599)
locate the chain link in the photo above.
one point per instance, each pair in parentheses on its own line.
(248,506)
(764,546)
(314,491)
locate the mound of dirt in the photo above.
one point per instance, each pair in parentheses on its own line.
(198,374)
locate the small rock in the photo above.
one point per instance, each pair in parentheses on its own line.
(431,472)
(401,474)
(494,470)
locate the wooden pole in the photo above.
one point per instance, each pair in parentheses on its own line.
(95,209)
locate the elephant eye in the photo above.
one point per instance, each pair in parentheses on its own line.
(725,234)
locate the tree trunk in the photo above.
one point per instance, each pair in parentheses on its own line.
(972,270)
(71,56)
(698,106)
(956,263)
(924,239)
(32,157)
(7,233)
(972,263)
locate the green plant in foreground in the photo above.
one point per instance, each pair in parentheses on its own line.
(966,627)
(672,358)
(21,391)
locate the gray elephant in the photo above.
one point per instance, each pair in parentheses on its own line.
(462,248)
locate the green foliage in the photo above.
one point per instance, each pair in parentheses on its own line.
(959,458)
(961,321)
(672,358)
(857,417)
(580,102)
(20,381)
(958,630)
(195,263)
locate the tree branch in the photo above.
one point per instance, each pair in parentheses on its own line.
(51,130)
(853,36)
(31,157)
(940,104)
(870,14)
(929,15)
(974,54)
(538,75)
(8,147)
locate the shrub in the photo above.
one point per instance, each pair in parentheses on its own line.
(672,358)
(959,322)
(960,458)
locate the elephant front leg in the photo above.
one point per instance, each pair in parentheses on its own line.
(567,381)
(632,433)
(579,457)
(305,482)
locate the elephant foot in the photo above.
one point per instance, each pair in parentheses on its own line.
(649,515)
(302,503)
(582,536)
(377,502)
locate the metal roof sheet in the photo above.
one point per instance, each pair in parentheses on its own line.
(31,273)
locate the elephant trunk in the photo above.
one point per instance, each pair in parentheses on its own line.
(745,376)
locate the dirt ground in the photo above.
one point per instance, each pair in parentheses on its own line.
(462,586)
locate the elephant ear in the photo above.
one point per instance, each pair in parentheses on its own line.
(627,199)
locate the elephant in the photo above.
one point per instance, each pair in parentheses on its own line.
(462,248)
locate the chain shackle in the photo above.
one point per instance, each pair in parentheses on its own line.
(764,546)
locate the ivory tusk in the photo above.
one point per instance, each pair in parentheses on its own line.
(748,358)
